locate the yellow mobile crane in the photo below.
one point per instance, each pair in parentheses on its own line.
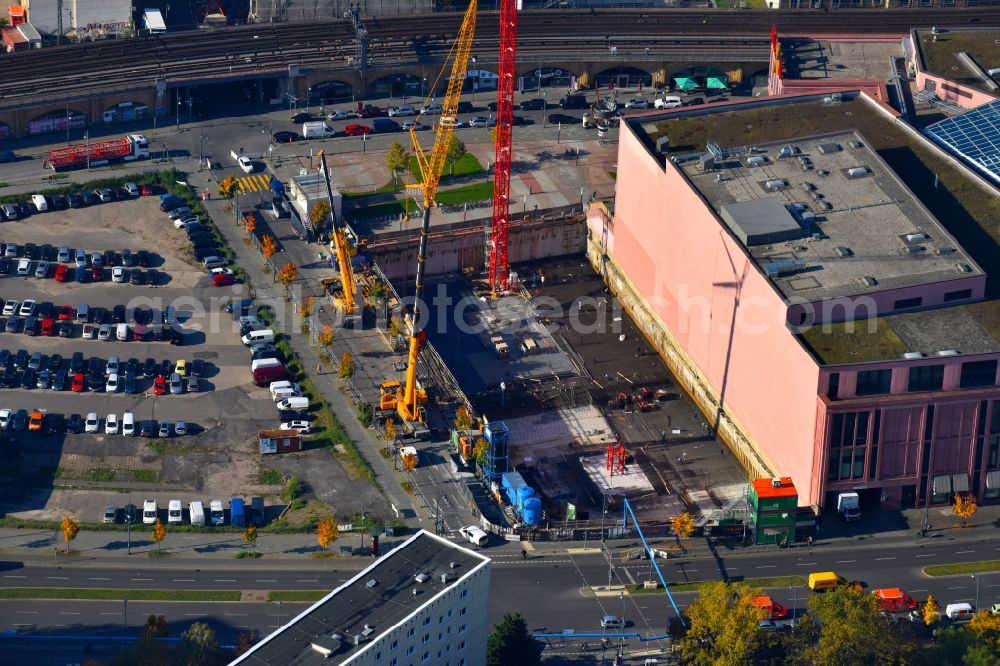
(348,301)
(407,399)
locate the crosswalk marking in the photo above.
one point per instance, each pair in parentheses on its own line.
(254,183)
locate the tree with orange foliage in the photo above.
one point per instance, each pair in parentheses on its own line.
(70,528)
(325,338)
(409,462)
(964,507)
(251,223)
(159,533)
(268,246)
(326,532)
(390,430)
(306,307)
(288,274)
(227,188)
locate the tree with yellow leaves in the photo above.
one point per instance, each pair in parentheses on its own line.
(463,419)
(288,274)
(479,450)
(683,525)
(268,246)
(929,610)
(390,430)
(325,338)
(964,507)
(326,532)
(251,223)
(70,528)
(320,213)
(986,627)
(306,307)
(250,536)
(159,533)
(346,369)
(723,626)
(227,188)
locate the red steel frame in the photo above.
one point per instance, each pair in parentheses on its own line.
(499,269)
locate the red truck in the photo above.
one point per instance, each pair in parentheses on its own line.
(97,153)
(276,373)
(894,600)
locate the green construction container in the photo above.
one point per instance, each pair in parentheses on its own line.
(774,519)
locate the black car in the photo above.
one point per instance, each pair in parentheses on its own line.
(118,314)
(47,252)
(131,514)
(91,199)
(562,119)
(142,315)
(137,277)
(55,424)
(110,258)
(130,383)
(31,326)
(127,259)
(152,276)
(301,118)
(20,420)
(75,423)
(31,251)
(22,359)
(95,365)
(518,121)
(44,309)
(9,377)
(29,378)
(465,107)
(142,258)
(53,362)
(197,367)
(5,265)
(76,362)
(96,382)
(59,379)
(60,202)
(284,137)
(149,368)
(148,429)
(5,358)
(75,200)
(66,330)
(99,315)
(202,252)
(166,368)
(23,209)
(533,104)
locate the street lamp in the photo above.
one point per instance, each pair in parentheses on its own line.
(178,112)
(475,78)
(201,152)
(309,93)
(977,591)
(423,88)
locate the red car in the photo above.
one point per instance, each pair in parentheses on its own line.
(159,386)
(369,111)
(77,386)
(223,279)
(146,190)
(65,313)
(48,326)
(62,273)
(357,130)
(96,273)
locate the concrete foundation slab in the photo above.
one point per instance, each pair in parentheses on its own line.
(633,483)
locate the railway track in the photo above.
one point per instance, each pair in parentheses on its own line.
(255,49)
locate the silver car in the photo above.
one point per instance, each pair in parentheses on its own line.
(176,384)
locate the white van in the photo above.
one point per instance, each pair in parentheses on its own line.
(197,513)
(474,535)
(83,313)
(266,335)
(40,203)
(121,332)
(264,363)
(149,510)
(175,514)
(128,424)
(668,102)
(284,389)
(962,611)
(293,404)
(316,129)
(218,512)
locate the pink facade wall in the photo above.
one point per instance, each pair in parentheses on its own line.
(691,271)
(950,91)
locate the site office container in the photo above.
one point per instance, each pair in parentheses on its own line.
(777,494)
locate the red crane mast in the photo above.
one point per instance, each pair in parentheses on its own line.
(499,268)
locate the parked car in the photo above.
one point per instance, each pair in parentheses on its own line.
(357,130)
(92,422)
(284,137)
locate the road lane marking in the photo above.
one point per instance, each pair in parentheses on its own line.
(768,566)
(27,612)
(15,576)
(238,614)
(805,564)
(927,555)
(109,613)
(964,552)
(307,580)
(957,588)
(879,559)
(145,580)
(69,612)
(844,561)
(918,590)
(225,580)
(267,580)
(193,614)
(58,577)
(183,580)
(97,578)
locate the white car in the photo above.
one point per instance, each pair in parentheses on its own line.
(92,423)
(482,121)
(24,267)
(668,102)
(89,332)
(114,362)
(112,385)
(119,275)
(339,115)
(404,110)
(128,424)
(182,222)
(452,121)
(111,425)
(27,308)
(149,510)
(9,308)
(637,103)
(214,262)
(298,424)
(104,332)
(63,255)
(413,125)
(221,271)
(246,164)
(5,416)
(431,110)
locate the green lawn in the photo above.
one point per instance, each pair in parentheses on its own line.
(963,568)
(466,194)
(386,208)
(466,165)
(117,595)
(695,586)
(388,188)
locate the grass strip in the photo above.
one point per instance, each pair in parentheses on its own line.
(696,586)
(118,595)
(962,568)
(297,595)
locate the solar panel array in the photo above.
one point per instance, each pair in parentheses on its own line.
(974,136)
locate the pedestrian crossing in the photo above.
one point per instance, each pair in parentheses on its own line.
(254,183)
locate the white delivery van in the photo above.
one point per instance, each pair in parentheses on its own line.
(293,404)
(266,335)
(40,203)
(264,363)
(316,129)
(962,611)
(218,513)
(128,424)
(175,514)
(149,510)
(82,313)
(197,513)
(284,389)
(474,535)
(121,332)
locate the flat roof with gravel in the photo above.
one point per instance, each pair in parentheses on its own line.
(943,56)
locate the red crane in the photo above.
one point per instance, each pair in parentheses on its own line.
(499,268)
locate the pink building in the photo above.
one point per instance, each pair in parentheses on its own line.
(955,64)
(746,241)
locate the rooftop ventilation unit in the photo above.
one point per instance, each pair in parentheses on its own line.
(783,267)
(858,172)
(756,161)
(368,631)
(948,352)
(775,482)
(372,582)
(867,281)
(828,148)
(775,185)
(963,268)
(915,238)
(707,163)
(843,251)
(913,249)
(944,250)
(913,355)
(453,565)
(663,144)
(855,144)
(789,151)
(421,578)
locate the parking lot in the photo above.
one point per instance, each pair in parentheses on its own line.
(51,474)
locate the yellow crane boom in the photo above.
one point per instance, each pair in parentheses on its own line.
(409,396)
(339,240)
